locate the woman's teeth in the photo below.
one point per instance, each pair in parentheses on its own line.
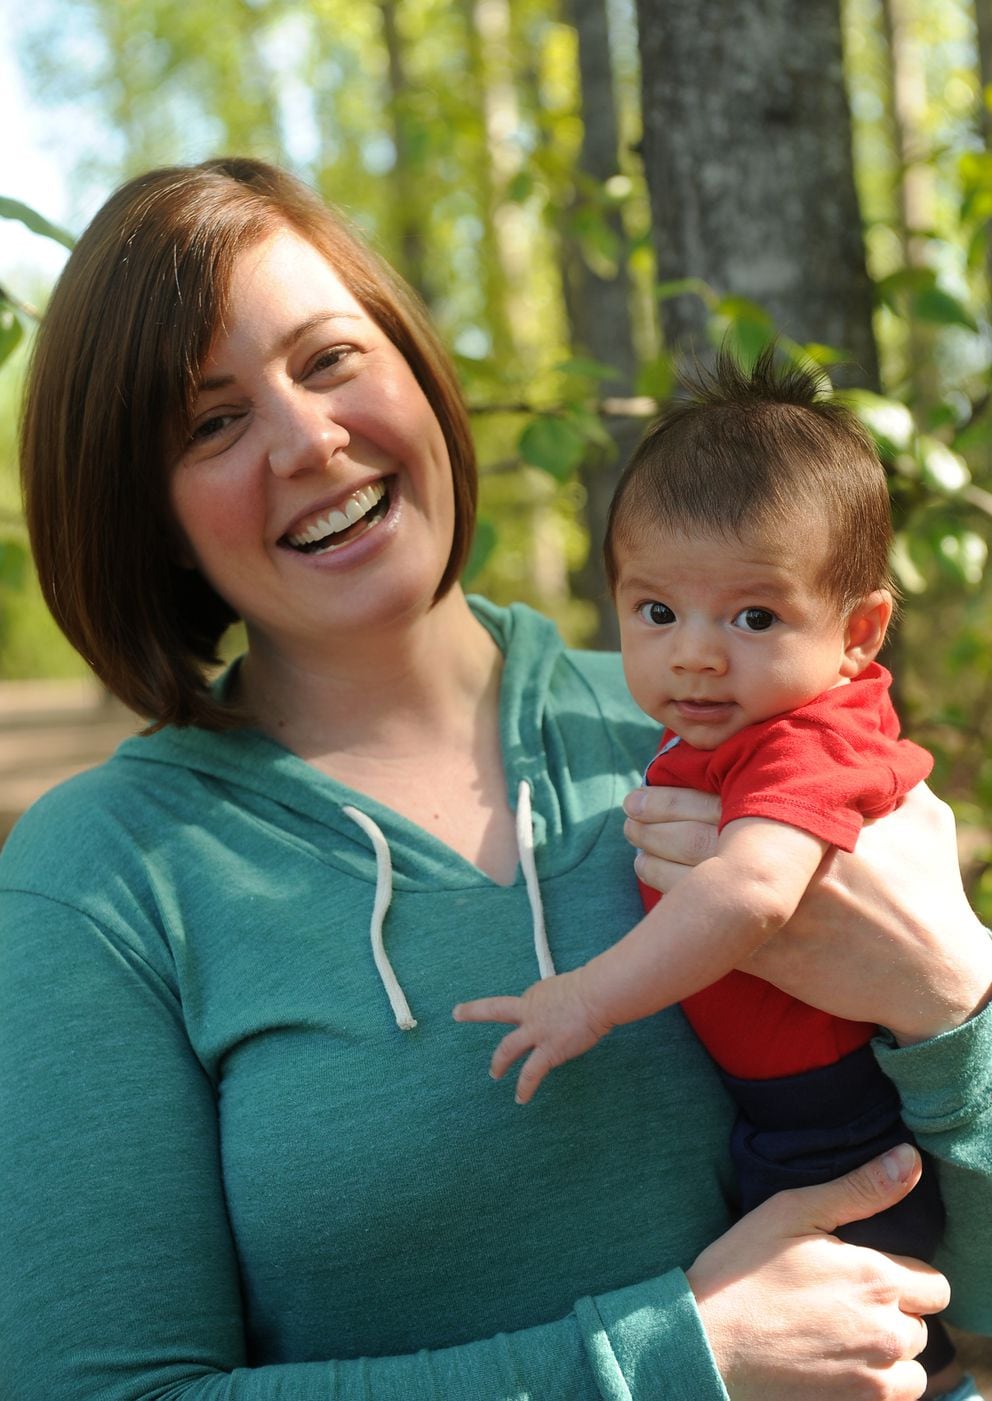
(358,505)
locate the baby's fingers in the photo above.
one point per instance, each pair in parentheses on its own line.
(535,1068)
(489,1009)
(513,1045)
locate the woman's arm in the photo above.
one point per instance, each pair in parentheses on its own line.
(884,934)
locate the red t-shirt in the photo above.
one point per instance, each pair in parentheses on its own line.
(824,768)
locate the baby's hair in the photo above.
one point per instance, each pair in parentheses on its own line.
(750,451)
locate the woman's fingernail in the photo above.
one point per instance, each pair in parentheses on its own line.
(633,804)
(898,1162)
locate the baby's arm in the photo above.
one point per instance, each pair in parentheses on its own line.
(713,920)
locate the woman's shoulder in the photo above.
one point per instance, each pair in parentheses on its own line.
(101,823)
(71,825)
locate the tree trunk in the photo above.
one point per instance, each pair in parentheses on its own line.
(914,184)
(598,302)
(983,21)
(747,152)
(406,179)
(490,31)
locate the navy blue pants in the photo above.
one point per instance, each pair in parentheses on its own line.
(800,1130)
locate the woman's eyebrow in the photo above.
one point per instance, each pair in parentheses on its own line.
(286,342)
(312,323)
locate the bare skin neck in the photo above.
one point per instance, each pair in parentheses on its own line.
(408,716)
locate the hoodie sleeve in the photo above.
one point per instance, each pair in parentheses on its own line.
(946,1089)
(120,1276)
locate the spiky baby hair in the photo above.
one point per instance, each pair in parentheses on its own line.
(744,451)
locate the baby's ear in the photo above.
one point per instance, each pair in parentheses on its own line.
(865,632)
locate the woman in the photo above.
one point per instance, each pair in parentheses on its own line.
(248,1152)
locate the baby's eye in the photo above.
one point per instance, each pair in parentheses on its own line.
(755,619)
(658,614)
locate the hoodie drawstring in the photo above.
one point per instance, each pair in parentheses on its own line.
(384,894)
(525,850)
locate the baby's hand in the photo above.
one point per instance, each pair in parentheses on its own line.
(554,1021)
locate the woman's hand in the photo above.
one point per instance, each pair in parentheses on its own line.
(882,935)
(794,1314)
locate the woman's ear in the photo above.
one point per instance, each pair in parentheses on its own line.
(865,632)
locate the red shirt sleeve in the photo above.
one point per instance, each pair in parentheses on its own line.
(825,768)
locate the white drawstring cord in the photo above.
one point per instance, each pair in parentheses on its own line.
(383,895)
(525,848)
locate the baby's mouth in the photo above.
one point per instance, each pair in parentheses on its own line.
(702,707)
(363,509)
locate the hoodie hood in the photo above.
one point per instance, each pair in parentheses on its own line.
(538,744)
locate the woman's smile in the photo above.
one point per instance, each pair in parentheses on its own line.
(330,529)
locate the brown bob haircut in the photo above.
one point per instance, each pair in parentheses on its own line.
(109,404)
(751,452)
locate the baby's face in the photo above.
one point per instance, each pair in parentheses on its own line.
(718,633)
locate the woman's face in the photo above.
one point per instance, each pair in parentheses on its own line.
(315,491)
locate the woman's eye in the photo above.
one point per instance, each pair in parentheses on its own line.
(210,427)
(754,619)
(327,359)
(658,614)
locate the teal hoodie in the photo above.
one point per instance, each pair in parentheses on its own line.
(228,1172)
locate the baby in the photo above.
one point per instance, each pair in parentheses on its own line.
(747,551)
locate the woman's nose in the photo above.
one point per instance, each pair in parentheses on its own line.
(305,434)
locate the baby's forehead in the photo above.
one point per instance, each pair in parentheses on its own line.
(784,556)
(802,534)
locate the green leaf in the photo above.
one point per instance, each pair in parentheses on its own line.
(686,286)
(908,576)
(592,428)
(521,187)
(600,243)
(483,543)
(14,209)
(553,444)
(902,283)
(978,244)
(890,422)
(13,564)
(656,377)
(743,326)
(823,354)
(11,332)
(943,468)
(964,555)
(935,305)
(975,170)
(742,309)
(584,367)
